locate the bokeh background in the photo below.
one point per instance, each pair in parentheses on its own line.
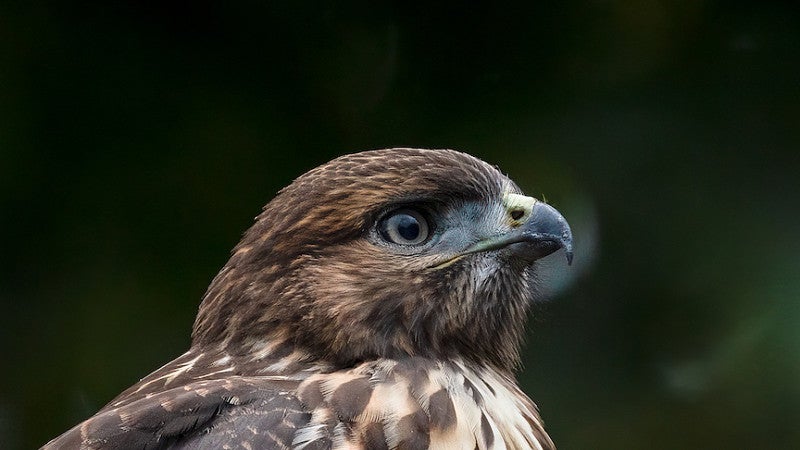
(138,140)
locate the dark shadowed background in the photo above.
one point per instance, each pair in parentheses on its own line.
(137,142)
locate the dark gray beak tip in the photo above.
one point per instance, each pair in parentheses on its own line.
(548,225)
(566,242)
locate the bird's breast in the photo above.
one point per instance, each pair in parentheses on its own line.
(419,403)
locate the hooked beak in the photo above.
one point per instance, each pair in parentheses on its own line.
(536,223)
(546,230)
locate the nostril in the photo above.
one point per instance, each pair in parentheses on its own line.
(517,214)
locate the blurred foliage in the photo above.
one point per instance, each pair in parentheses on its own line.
(138,140)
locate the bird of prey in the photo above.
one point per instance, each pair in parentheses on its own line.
(378,302)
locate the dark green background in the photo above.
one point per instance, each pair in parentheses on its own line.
(138,140)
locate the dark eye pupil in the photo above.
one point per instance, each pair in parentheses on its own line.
(404,227)
(408,227)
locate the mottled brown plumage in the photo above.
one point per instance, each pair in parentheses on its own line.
(378,301)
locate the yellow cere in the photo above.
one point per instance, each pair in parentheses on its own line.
(519,208)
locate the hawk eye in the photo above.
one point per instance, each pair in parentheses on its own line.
(405,227)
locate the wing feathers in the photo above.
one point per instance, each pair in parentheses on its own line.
(204,412)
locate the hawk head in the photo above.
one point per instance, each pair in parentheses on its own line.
(387,253)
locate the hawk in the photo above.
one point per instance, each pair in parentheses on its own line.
(378,302)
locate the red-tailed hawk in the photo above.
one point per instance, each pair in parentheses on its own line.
(378,302)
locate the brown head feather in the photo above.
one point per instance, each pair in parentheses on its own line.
(308,274)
